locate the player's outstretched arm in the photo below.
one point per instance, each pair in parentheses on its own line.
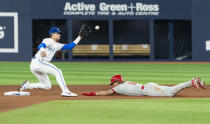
(104,93)
(84,31)
(99,93)
(72,44)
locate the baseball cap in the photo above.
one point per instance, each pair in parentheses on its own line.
(116,78)
(55,30)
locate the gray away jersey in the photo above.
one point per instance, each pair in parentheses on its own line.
(128,88)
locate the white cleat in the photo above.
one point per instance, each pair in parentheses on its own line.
(24,85)
(68,94)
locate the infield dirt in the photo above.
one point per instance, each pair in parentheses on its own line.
(38,96)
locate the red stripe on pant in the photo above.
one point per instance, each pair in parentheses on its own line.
(142,87)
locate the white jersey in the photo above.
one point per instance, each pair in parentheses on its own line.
(129,88)
(51,48)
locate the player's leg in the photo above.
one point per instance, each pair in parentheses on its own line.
(153,89)
(179,87)
(44,82)
(195,82)
(52,69)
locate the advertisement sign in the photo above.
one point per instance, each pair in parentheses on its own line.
(111,9)
(8,32)
(120,9)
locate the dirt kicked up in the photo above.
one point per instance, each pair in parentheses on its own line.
(37,95)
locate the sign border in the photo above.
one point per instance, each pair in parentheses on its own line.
(15,49)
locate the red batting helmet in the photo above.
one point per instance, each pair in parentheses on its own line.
(116,78)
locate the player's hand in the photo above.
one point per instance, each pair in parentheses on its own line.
(89,94)
(85,30)
(43,54)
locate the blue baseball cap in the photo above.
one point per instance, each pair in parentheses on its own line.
(55,30)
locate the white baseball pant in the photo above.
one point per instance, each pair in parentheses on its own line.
(153,89)
(40,69)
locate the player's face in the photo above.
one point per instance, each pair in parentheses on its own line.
(56,36)
(115,84)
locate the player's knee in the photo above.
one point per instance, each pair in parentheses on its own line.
(171,95)
(58,72)
(47,87)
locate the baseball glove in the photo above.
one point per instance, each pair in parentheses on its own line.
(85,30)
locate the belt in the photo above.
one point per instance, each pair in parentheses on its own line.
(39,59)
(142,87)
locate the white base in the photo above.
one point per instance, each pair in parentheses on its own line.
(16,93)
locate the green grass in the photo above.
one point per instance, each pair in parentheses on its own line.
(156,111)
(145,111)
(78,73)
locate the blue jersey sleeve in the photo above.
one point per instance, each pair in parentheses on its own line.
(42,45)
(68,46)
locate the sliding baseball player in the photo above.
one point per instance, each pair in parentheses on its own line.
(41,66)
(150,89)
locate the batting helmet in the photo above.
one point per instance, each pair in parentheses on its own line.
(116,78)
(55,30)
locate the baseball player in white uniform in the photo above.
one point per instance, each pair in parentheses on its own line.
(41,66)
(129,88)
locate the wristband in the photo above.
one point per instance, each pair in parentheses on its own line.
(42,49)
(76,41)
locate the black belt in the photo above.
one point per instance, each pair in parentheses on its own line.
(39,59)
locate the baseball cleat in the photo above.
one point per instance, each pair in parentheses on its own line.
(68,94)
(201,84)
(24,85)
(194,82)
